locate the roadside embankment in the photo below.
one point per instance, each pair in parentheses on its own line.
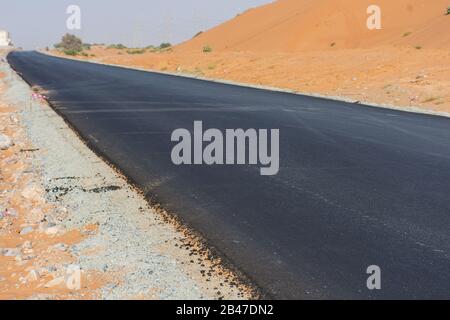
(73,228)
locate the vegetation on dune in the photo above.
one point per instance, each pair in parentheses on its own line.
(71,52)
(207,49)
(136,51)
(71,45)
(165,45)
(117,46)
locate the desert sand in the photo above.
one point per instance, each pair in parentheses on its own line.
(322,47)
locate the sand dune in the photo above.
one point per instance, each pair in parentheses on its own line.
(297,25)
(288,44)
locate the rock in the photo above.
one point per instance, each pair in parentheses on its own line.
(35,215)
(61,246)
(10,252)
(5,142)
(27,245)
(28,257)
(52,230)
(14,119)
(55,282)
(26,230)
(32,192)
(32,276)
(9,213)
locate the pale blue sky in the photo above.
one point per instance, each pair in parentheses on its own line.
(34,24)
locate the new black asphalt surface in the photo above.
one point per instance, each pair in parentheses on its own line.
(357,186)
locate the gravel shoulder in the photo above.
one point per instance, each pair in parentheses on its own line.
(91,216)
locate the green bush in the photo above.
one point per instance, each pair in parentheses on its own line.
(136,51)
(117,46)
(165,45)
(448,11)
(207,49)
(69,42)
(71,52)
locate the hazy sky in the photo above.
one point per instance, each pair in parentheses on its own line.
(41,23)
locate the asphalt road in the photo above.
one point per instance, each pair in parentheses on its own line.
(357,186)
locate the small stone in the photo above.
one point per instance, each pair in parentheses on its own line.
(61,246)
(9,213)
(10,252)
(5,142)
(28,257)
(53,230)
(27,245)
(55,282)
(32,192)
(32,276)
(26,230)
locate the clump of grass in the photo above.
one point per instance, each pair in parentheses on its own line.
(207,49)
(198,71)
(165,45)
(136,51)
(71,52)
(211,67)
(117,46)
(448,11)
(332,44)
(431,99)
(418,47)
(406,34)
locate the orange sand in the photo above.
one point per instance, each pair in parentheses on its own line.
(324,47)
(28,274)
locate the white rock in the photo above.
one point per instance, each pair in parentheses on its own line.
(10,252)
(5,142)
(32,276)
(26,230)
(61,246)
(32,192)
(53,230)
(27,245)
(55,282)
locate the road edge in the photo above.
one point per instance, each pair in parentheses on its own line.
(412,109)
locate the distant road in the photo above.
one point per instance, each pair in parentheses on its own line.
(357,186)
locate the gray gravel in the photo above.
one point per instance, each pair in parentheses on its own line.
(133,241)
